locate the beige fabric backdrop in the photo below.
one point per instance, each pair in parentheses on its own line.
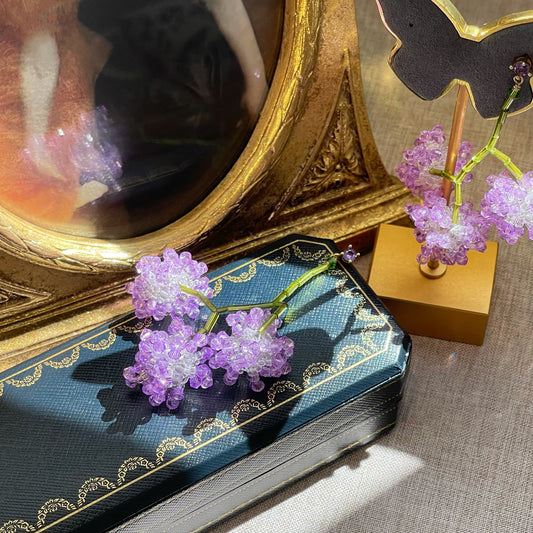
(461,457)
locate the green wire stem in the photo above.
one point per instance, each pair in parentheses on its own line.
(489,148)
(278,303)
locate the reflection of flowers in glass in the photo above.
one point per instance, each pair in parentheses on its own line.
(250,351)
(447,241)
(429,152)
(158,289)
(508,204)
(81,152)
(166,362)
(94,153)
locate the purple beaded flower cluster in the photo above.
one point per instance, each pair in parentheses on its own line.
(442,239)
(167,361)
(158,289)
(248,351)
(429,152)
(507,204)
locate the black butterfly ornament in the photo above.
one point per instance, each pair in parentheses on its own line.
(436,49)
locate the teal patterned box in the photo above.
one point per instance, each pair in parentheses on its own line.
(82,452)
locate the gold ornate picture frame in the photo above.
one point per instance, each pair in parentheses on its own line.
(310,167)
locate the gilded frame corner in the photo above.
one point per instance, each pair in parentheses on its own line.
(52,249)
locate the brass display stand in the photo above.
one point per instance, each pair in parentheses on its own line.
(454,306)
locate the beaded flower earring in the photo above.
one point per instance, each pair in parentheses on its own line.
(167,361)
(446,230)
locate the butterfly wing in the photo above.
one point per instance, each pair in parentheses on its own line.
(431,53)
(424,57)
(489,76)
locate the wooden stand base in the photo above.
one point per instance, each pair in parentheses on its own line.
(452,307)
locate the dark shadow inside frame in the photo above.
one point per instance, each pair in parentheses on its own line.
(172,88)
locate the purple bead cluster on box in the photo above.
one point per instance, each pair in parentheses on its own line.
(507,204)
(167,360)
(247,351)
(156,292)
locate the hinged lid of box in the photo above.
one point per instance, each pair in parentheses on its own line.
(80,450)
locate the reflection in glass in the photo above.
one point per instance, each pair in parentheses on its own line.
(119,117)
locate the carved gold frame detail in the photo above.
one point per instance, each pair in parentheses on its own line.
(310,167)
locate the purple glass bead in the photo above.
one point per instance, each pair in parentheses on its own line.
(349,255)
(257,386)
(521,68)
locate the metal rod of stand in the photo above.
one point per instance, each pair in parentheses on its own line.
(455,138)
(434,269)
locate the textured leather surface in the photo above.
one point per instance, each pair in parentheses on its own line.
(286,460)
(81,451)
